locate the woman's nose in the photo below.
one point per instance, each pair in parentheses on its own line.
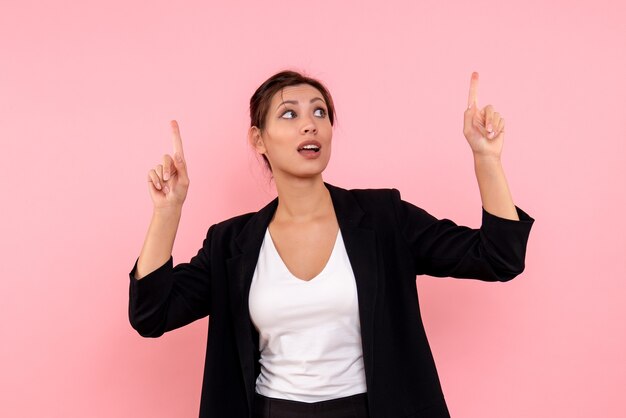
(309,127)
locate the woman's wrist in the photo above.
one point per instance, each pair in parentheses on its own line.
(168,212)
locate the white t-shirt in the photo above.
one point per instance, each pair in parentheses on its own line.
(309,331)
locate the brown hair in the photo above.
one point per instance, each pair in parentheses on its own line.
(262,97)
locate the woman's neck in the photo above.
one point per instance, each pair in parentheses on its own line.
(302,199)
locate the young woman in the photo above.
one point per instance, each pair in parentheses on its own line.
(312,300)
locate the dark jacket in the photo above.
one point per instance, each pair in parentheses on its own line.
(388,240)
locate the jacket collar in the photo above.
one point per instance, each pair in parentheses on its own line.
(360,243)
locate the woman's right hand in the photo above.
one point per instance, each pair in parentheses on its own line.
(168,182)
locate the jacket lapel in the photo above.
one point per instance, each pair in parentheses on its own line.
(240,270)
(360,245)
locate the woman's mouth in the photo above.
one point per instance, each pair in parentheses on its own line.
(310,149)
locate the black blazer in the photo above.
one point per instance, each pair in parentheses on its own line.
(388,240)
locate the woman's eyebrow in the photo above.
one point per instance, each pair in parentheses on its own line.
(296,102)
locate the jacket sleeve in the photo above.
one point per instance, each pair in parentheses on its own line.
(171,296)
(441,248)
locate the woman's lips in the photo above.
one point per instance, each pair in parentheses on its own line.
(309,142)
(309,154)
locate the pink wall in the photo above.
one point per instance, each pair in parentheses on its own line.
(86,93)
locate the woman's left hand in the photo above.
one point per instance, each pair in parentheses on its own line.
(484,128)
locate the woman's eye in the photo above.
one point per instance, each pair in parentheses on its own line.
(319,111)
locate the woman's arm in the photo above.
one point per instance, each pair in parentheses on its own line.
(441,248)
(168,184)
(496,251)
(484,131)
(494,190)
(162,296)
(159,241)
(171,296)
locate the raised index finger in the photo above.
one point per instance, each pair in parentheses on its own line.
(178,142)
(473,90)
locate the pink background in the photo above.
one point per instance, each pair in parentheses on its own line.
(86,93)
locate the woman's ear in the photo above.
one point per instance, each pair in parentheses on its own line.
(255,140)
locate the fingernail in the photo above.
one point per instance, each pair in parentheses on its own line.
(158,185)
(166,176)
(491,134)
(166,189)
(489,127)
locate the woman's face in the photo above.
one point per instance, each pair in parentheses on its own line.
(296,117)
